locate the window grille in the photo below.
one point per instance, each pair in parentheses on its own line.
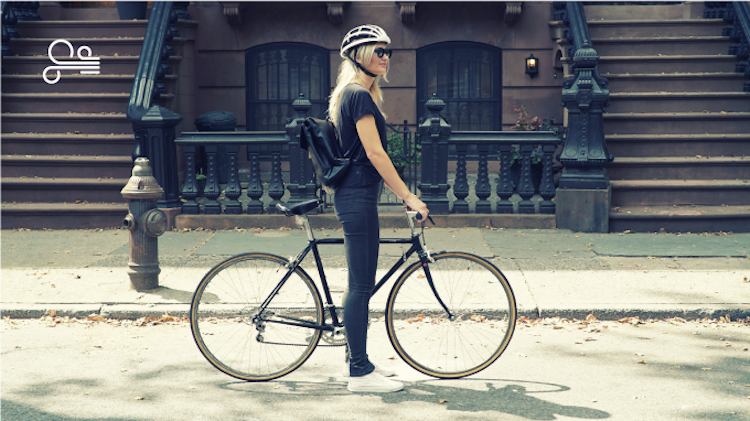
(276,75)
(468,77)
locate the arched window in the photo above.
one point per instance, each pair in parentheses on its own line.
(468,77)
(276,75)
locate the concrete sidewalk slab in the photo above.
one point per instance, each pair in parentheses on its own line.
(281,242)
(532,244)
(175,243)
(672,245)
(469,240)
(63,248)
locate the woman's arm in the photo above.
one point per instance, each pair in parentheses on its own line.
(368,133)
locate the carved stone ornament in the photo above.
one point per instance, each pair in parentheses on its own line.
(408,12)
(335,12)
(512,12)
(233,11)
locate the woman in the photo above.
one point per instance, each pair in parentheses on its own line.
(355,109)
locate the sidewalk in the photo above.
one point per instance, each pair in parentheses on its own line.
(552,272)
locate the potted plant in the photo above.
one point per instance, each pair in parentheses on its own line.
(526,122)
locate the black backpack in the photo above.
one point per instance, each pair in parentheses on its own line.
(320,139)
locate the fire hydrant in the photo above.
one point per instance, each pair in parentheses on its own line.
(145,223)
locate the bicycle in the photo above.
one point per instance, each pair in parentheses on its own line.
(258,316)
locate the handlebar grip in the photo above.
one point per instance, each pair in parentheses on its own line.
(429,218)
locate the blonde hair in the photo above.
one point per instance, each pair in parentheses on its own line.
(348,73)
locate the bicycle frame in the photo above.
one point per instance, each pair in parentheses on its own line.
(312,245)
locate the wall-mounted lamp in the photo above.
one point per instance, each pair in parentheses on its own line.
(532,66)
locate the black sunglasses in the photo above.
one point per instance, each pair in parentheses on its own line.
(383,51)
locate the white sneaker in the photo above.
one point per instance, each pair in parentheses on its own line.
(383,371)
(373,383)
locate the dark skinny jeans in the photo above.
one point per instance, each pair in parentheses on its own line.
(357,210)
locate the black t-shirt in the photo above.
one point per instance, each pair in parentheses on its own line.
(356,102)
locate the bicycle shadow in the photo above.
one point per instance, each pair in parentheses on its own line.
(479,395)
(511,399)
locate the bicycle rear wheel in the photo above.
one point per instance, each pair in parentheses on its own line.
(483,311)
(236,336)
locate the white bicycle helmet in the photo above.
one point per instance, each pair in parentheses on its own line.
(363,34)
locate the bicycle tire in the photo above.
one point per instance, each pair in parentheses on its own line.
(225,327)
(479,297)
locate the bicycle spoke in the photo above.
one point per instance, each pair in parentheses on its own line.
(241,339)
(483,309)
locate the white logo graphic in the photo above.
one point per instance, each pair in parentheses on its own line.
(88,65)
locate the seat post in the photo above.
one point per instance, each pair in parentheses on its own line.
(305,221)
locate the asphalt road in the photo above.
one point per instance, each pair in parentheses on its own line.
(62,370)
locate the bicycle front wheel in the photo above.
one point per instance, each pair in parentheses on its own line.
(241,338)
(460,343)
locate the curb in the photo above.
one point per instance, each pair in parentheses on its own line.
(137,311)
(655,311)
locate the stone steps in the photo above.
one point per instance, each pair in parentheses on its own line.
(667,64)
(680,192)
(687,218)
(661,46)
(688,168)
(654,102)
(615,28)
(100,47)
(669,145)
(678,122)
(68,144)
(74,83)
(72,122)
(62,190)
(66,166)
(81,102)
(676,82)
(85,29)
(63,215)
(109,65)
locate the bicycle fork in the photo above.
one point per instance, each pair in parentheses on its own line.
(425,258)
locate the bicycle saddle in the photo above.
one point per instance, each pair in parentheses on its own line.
(299,209)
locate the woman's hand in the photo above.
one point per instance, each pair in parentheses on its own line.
(414,203)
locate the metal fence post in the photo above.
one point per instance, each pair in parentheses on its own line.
(434,134)
(302,186)
(156,137)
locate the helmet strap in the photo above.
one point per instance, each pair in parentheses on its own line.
(361,67)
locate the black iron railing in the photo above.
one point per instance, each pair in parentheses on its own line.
(153,125)
(737,17)
(586,96)
(9,20)
(525,170)
(515,152)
